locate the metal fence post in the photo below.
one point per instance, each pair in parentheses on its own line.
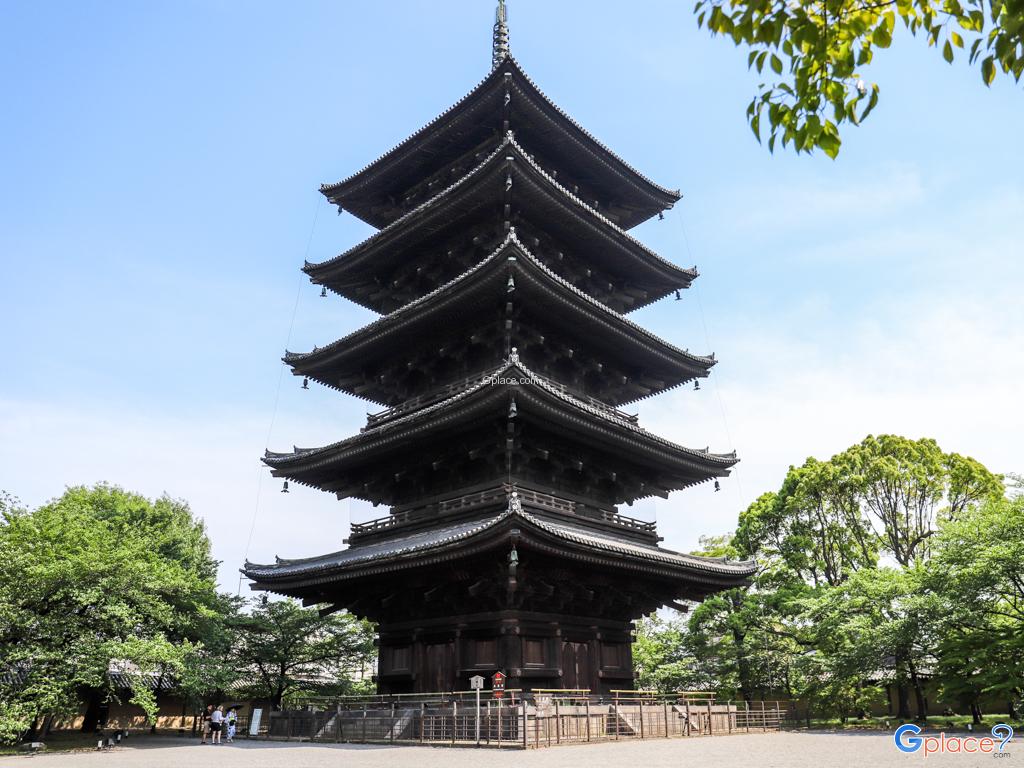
(393,723)
(711,727)
(558,725)
(423,719)
(641,701)
(688,732)
(455,719)
(746,716)
(525,743)
(536,727)
(764,723)
(665,706)
(588,716)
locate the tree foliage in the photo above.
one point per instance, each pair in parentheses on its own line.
(281,648)
(98,577)
(814,55)
(102,579)
(889,563)
(977,574)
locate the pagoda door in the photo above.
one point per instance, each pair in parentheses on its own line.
(438,667)
(575,665)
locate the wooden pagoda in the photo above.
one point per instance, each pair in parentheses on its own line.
(503,273)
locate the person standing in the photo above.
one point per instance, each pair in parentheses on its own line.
(216,723)
(232,720)
(204,726)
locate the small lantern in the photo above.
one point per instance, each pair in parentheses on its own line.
(696,386)
(512,410)
(511,285)
(717,487)
(305,383)
(679,296)
(284,488)
(323,292)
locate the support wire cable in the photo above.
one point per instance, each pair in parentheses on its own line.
(277,395)
(707,340)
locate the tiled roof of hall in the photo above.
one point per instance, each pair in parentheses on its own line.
(417,309)
(410,546)
(430,413)
(580,136)
(322,272)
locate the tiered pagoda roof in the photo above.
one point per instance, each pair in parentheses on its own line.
(446,234)
(558,328)
(503,273)
(506,99)
(311,578)
(555,432)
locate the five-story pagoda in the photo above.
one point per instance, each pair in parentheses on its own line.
(503,273)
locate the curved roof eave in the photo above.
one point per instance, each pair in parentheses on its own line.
(654,443)
(409,312)
(395,154)
(360,251)
(413,547)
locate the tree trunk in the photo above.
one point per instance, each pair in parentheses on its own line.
(743,667)
(91,719)
(33,730)
(902,701)
(922,702)
(975,712)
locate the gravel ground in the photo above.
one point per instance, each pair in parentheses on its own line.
(774,750)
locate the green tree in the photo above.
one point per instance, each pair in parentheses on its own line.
(907,486)
(281,649)
(662,659)
(977,574)
(813,525)
(821,610)
(813,55)
(98,577)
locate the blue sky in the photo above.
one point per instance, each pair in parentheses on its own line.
(161,165)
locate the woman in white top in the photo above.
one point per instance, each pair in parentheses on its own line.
(216,723)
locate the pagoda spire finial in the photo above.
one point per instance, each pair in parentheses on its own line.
(500,49)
